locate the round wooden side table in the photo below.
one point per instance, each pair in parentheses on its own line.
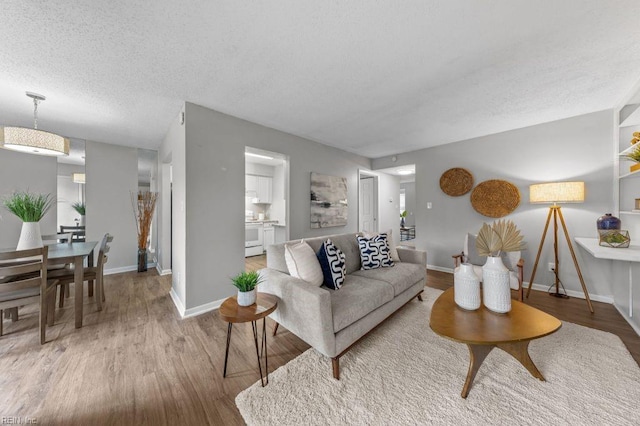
(232,313)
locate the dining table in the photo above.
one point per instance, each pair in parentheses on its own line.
(75,254)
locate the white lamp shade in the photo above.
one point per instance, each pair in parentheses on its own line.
(557,192)
(33,141)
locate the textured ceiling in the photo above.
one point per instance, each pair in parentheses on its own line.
(374,78)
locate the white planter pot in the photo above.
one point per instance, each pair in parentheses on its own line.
(247,298)
(495,285)
(466,287)
(82,220)
(30,236)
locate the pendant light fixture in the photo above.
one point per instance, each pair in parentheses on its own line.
(33,141)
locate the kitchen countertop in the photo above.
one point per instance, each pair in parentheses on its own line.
(261,221)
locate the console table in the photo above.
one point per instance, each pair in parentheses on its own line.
(630,255)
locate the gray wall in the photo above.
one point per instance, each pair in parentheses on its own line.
(20,172)
(112,174)
(215,145)
(577,148)
(410,202)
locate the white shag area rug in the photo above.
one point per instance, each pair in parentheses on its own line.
(405,374)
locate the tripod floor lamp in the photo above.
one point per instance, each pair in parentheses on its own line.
(554,193)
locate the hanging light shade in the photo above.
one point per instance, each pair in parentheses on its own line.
(33,141)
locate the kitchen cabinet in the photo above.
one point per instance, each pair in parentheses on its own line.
(269,235)
(251,186)
(264,190)
(259,188)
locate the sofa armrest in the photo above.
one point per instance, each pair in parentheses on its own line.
(413,256)
(304,309)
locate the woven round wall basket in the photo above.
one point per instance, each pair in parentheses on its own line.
(495,198)
(456,182)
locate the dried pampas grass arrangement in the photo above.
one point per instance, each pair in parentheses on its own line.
(502,235)
(144,203)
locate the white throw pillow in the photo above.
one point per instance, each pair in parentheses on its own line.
(303,263)
(392,244)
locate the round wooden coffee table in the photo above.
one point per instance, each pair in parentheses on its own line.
(232,313)
(483,330)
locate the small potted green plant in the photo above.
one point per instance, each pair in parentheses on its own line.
(30,209)
(403,215)
(635,157)
(246,283)
(81,209)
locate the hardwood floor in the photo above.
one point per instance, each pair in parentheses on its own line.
(138,362)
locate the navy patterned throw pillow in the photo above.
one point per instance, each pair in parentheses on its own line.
(332,262)
(374,252)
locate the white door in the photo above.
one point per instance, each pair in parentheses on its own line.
(367,205)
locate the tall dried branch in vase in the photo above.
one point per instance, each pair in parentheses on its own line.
(144,203)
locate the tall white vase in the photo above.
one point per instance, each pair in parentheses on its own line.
(466,287)
(495,285)
(82,220)
(30,236)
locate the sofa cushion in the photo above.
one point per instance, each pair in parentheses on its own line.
(374,252)
(393,251)
(333,265)
(356,298)
(303,263)
(402,276)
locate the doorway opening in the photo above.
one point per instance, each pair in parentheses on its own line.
(406,200)
(367,202)
(266,204)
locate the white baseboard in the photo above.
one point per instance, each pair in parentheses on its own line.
(177,302)
(440,268)
(121,270)
(625,315)
(199,310)
(193,312)
(571,293)
(162,272)
(541,287)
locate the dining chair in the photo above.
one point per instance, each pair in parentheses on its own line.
(92,273)
(60,237)
(77,231)
(24,280)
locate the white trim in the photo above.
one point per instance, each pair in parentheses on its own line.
(162,272)
(440,268)
(177,302)
(121,269)
(635,327)
(542,287)
(199,310)
(571,293)
(192,312)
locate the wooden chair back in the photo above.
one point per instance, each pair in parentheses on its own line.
(24,280)
(77,231)
(58,238)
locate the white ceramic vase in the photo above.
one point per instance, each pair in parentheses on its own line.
(82,220)
(247,298)
(495,285)
(466,287)
(30,236)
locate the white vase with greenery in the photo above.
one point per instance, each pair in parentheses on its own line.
(30,208)
(81,209)
(246,283)
(501,236)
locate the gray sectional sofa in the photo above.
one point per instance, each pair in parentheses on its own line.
(331,321)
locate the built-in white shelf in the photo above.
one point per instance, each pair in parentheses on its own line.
(626,175)
(628,150)
(630,115)
(629,212)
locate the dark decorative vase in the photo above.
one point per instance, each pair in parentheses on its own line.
(608,221)
(402,222)
(142,260)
